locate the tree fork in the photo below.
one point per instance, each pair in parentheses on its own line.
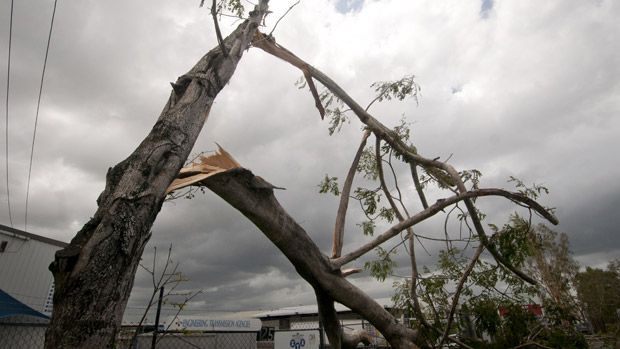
(94,274)
(255,200)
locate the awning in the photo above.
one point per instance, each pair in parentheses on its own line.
(10,307)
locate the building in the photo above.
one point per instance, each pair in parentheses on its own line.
(306,318)
(26,287)
(24,273)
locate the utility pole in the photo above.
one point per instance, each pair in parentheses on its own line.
(156,330)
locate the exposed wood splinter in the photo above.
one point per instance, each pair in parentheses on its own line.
(351,271)
(203,168)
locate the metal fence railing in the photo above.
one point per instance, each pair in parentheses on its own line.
(22,335)
(212,340)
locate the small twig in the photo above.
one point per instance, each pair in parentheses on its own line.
(285,13)
(459,289)
(418,186)
(181,308)
(431,211)
(218,33)
(531,343)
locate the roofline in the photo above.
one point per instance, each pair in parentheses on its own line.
(302,315)
(32,236)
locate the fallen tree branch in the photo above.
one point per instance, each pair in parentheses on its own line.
(248,194)
(431,211)
(338,237)
(444,173)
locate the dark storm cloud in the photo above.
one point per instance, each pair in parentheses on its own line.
(537,97)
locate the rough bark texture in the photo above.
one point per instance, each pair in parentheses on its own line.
(94,273)
(254,199)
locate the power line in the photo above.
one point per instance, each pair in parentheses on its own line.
(36,119)
(8,85)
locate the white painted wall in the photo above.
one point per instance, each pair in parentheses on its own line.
(24,272)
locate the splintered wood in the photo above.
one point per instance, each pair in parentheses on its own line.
(203,168)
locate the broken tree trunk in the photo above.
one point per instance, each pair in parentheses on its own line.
(94,274)
(254,198)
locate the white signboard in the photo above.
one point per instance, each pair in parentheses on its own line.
(297,339)
(201,323)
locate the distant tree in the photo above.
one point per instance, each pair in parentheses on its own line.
(498,304)
(551,262)
(94,274)
(599,295)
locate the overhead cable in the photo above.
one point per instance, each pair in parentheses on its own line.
(36,119)
(6,143)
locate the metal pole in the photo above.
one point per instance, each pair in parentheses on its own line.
(321,340)
(161,296)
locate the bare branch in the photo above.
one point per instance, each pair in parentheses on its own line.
(338,238)
(218,33)
(267,44)
(431,211)
(446,174)
(459,289)
(315,94)
(416,182)
(285,13)
(382,181)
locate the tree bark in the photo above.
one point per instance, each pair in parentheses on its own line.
(254,198)
(94,274)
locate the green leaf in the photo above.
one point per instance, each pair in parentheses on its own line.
(329,185)
(368,227)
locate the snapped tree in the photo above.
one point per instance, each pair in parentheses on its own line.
(94,274)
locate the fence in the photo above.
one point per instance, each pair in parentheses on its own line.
(22,333)
(18,334)
(31,335)
(192,340)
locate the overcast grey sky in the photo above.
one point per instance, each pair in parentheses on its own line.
(513,88)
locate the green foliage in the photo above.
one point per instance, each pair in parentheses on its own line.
(369,200)
(403,130)
(560,338)
(337,118)
(471,176)
(387,214)
(598,293)
(367,165)
(513,241)
(402,296)
(334,110)
(329,185)
(486,315)
(368,227)
(491,287)
(233,6)
(382,267)
(533,192)
(399,89)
